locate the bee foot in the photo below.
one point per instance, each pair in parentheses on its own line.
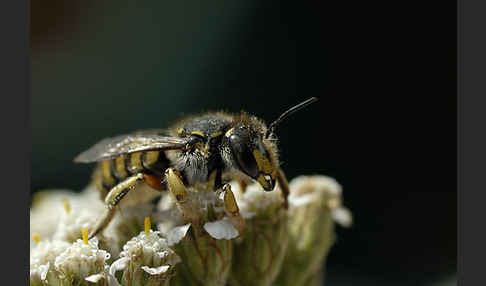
(102,222)
(178,190)
(232,210)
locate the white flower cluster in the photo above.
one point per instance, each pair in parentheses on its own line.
(57,261)
(61,214)
(81,260)
(310,189)
(46,212)
(149,250)
(254,201)
(227,238)
(70,224)
(42,259)
(145,260)
(129,223)
(174,228)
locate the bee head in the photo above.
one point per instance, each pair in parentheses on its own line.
(253,147)
(252,153)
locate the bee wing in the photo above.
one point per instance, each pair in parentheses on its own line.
(110,148)
(154,131)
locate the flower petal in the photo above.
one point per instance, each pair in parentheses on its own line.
(297,201)
(221,229)
(342,216)
(155,270)
(95,278)
(118,264)
(177,234)
(43,270)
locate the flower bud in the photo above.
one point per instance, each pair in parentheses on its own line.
(205,260)
(203,242)
(259,254)
(314,203)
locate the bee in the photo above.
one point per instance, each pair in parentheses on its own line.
(205,150)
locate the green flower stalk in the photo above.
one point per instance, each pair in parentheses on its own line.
(204,242)
(316,279)
(258,256)
(205,260)
(314,204)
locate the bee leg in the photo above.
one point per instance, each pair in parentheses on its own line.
(284,186)
(215,182)
(112,199)
(218,180)
(232,210)
(179,192)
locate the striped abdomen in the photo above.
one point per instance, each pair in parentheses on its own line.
(112,172)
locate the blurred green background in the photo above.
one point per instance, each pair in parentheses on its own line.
(100,70)
(103,68)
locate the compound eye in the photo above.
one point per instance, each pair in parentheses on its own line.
(244,156)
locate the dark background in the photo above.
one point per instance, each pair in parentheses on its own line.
(385,125)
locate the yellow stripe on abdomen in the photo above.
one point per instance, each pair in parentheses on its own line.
(108,178)
(150,158)
(121,171)
(135,165)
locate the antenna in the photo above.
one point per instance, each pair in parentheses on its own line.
(274,125)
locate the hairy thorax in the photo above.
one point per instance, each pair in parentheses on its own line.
(199,162)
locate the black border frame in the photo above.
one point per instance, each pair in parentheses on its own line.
(471,141)
(16,143)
